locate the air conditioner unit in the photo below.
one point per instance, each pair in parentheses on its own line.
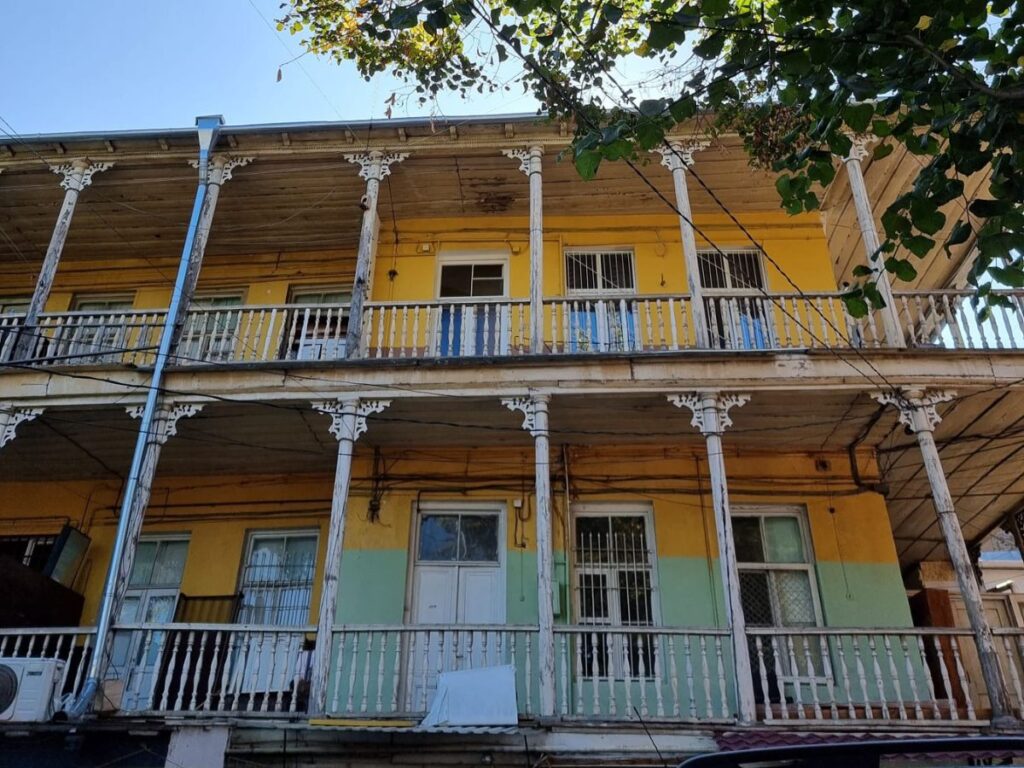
(29,689)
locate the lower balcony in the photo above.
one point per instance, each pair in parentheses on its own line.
(836,677)
(502,328)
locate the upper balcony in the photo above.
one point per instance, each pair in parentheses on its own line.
(496,328)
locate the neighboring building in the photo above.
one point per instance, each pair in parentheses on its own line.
(410,425)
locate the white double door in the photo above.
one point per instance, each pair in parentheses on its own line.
(458,596)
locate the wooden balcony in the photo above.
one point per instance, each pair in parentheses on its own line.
(846,677)
(497,329)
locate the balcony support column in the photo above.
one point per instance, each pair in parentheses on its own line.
(373,167)
(10,417)
(677,157)
(348,422)
(535,421)
(869,236)
(917,413)
(711,416)
(77,176)
(221,169)
(530,163)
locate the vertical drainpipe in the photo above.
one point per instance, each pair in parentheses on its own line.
(207,129)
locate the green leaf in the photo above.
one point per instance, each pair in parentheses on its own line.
(926,216)
(587,163)
(855,304)
(664,34)
(858,116)
(960,233)
(882,150)
(902,268)
(919,245)
(988,208)
(1011,276)
(862,270)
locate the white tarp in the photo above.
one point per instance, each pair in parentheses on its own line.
(483,696)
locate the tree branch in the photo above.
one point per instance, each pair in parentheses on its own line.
(1009,94)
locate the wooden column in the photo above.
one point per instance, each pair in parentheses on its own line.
(677,157)
(373,166)
(77,176)
(530,164)
(869,236)
(348,422)
(10,417)
(711,417)
(164,426)
(917,412)
(535,420)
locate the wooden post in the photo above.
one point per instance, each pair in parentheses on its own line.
(535,420)
(373,166)
(348,422)
(869,236)
(711,417)
(530,164)
(10,417)
(917,411)
(677,157)
(77,176)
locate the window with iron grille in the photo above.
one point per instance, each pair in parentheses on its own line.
(777,586)
(277,578)
(731,270)
(614,587)
(598,272)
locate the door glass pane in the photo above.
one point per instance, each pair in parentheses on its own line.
(145,558)
(456,280)
(170,562)
(756,599)
(593,598)
(747,533)
(300,555)
(783,541)
(629,535)
(793,589)
(439,536)
(129,611)
(479,538)
(592,539)
(635,598)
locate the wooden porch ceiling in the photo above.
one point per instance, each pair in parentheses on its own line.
(981,439)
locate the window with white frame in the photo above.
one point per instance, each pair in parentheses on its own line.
(277,578)
(596,272)
(31,551)
(317,329)
(465,279)
(737,270)
(777,584)
(613,565)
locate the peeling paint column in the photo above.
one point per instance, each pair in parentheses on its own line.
(677,157)
(534,408)
(77,176)
(918,413)
(373,167)
(869,236)
(711,417)
(530,163)
(348,422)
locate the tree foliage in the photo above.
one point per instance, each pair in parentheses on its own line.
(795,78)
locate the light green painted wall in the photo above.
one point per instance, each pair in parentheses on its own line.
(863,595)
(372,586)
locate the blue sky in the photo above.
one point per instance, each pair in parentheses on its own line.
(72,65)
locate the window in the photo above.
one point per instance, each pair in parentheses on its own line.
(462,280)
(470,538)
(277,578)
(777,587)
(97,328)
(614,587)
(317,328)
(478,328)
(14,305)
(598,272)
(31,551)
(733,270)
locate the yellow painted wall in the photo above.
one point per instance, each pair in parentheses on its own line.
(797,244)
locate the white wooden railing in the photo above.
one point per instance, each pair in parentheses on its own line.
(605,673)
(70,645)
(392,670)
(921,674)
(501,328)
(211,669)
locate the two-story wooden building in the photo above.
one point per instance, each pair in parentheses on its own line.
(406,398)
